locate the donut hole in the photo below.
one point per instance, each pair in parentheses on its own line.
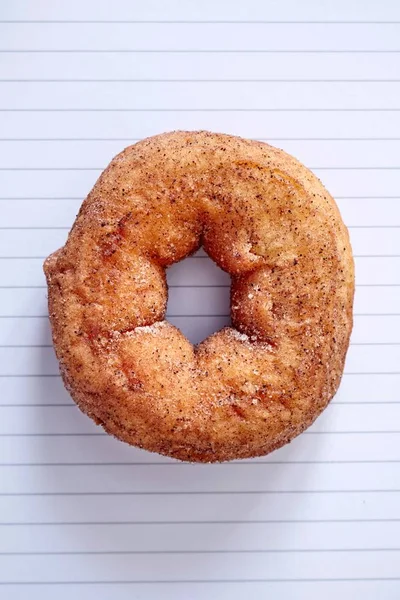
(199,297)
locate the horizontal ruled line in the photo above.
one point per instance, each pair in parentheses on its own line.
(36,228)
(33,375)
(199,465)
(196,22)
(48,404)
(202,257)
(81,198)
(243,551)
(48,434)
(204,493)
(197,581)
(181,110)
(182,80)
(102,168)
(191,51)
(68,227)
(181,286)
(103,434)
(207,316)
(73,405)
(215,522)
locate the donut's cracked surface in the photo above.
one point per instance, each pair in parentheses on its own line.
(262,217)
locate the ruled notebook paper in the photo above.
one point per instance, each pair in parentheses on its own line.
(85,516)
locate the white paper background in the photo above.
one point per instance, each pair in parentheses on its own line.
(85,516)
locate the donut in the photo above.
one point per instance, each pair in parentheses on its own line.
(266,220)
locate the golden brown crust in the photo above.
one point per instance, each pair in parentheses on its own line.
(266,220)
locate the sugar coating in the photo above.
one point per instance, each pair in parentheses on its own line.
(262,217)
(242,337)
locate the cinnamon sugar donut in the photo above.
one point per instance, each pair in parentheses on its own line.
(262,217)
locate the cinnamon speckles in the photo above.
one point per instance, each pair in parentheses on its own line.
(263,218)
